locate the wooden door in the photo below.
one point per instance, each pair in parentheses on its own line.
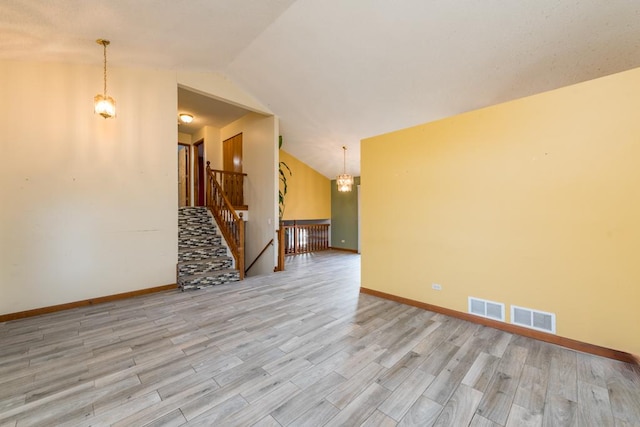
(232,154)
(184,181)
(232,184)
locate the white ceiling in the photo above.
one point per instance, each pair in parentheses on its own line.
(337,71)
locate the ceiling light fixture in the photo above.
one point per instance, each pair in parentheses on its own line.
(185,118)
(103,104)
(344,181)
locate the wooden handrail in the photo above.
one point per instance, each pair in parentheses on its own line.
(259,255)
(228,172)
(231,224)
(232,184)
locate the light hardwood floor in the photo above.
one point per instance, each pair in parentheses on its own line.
(302,347)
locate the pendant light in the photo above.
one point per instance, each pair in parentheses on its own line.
(344,181)
(103,104)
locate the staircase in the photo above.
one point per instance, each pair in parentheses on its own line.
(202,255)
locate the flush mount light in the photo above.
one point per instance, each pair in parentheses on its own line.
(185,118)
(103,104)
(344,181)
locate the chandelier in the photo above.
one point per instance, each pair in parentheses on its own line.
(344,181)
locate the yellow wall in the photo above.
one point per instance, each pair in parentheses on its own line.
(308,191)
(534,202)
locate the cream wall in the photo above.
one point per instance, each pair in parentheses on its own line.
(184,138)
(259,158)
(88,204)
(532,203)
(212,147)
(308,192)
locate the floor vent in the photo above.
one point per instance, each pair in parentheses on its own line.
(485,308)
(533,319)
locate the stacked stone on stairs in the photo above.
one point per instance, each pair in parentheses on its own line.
(202,255)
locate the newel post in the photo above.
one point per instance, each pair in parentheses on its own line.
(280,233)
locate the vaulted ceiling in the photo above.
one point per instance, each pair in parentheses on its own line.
(337,71)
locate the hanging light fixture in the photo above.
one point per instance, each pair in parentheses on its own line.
(103,104)
(344,181)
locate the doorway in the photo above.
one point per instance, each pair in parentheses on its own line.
(184,178)
(199,172)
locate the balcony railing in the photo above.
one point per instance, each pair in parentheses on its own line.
(303,238)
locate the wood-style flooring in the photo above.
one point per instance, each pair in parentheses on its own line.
(301,347)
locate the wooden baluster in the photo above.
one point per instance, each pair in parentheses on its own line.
(295,238)
(316,239)
(239,190)
(326,237)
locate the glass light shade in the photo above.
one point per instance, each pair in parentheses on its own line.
(344,182)
(186,118)
(105,106)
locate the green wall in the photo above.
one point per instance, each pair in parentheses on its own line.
(344,217)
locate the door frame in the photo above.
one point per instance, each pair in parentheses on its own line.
(188,172)
(198,174)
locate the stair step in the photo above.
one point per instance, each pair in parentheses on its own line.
(198,241)
(199,281)
(192,210)
(194,220)
(202,256)
(193,215)
(196,231)
(204,266)
(201,253)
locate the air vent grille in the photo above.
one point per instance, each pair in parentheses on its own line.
(485,308)
(533,319)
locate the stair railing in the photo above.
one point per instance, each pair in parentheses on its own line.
(231,224)
(232,183)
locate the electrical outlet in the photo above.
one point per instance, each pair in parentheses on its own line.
(342,241)
(436,287)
